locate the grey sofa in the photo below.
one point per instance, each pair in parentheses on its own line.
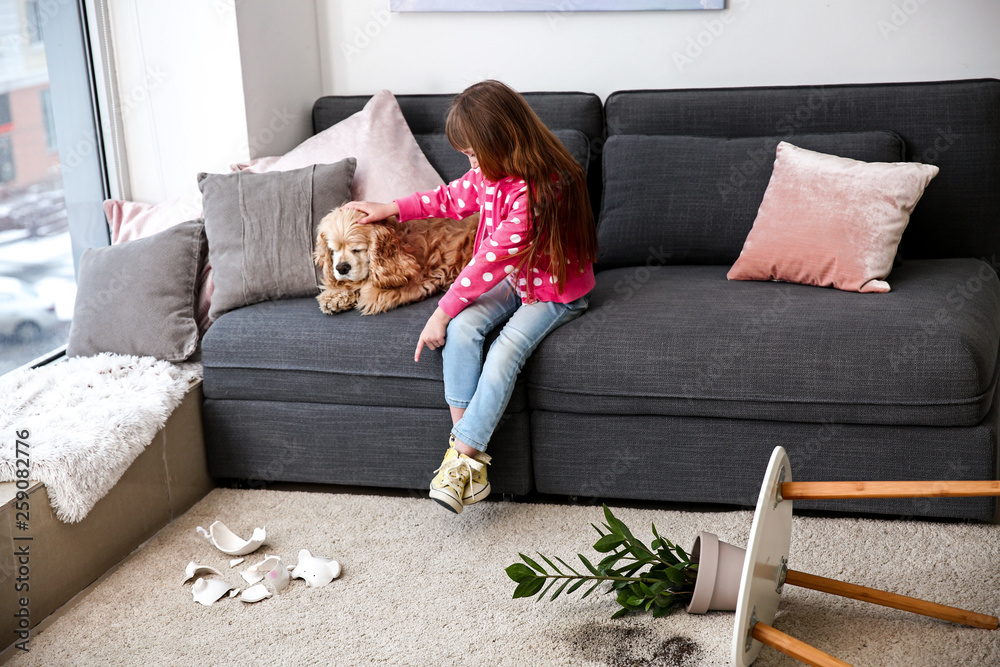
(677,383)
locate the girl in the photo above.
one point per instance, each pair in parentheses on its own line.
(533,263)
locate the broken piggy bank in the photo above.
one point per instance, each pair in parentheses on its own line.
(315,570)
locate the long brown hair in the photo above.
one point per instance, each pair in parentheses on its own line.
(510,140)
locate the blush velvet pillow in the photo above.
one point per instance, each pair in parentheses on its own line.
(390,162)
(831,221)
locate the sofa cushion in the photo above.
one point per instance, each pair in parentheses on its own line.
(262,230)
(290,351)
(330,443)
(140,297)
(453,164)
(425,114)
(684,341)
(697,197)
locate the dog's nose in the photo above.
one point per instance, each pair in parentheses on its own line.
(343,268)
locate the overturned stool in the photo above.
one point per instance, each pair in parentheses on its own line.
(766,572)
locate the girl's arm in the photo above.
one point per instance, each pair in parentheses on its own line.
(375,211)
(496,259)
(458,199)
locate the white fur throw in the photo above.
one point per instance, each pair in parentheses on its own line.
(87,419)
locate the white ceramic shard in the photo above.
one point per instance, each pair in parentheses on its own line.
(207,591)
(193,570)
(251,577)
(233,593)
(316,571)
(236,561)
(228,542)
(255,593)
(254,573)
(274,572)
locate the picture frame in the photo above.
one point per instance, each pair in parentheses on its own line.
(552,5)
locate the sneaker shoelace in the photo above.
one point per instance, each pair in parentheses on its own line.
(451,470)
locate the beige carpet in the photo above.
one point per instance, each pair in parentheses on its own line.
(424,587)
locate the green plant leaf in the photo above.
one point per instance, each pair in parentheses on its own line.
(560,590)
(579,582)
(533,564)
(621,612)
(607,543)
(675,576)
(660,611)
(567,566)
(519,572)
(542,594)
(614,524)
(590,590)
(551,564)
(527,588)
(589,566)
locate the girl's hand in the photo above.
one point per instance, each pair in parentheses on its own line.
(374,211)
(434,332)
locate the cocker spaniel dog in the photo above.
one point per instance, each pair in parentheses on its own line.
(379,266)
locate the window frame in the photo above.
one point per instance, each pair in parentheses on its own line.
(78,84)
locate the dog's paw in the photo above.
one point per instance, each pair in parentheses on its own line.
(331,302)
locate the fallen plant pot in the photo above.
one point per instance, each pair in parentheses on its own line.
(720,571)
(706,579)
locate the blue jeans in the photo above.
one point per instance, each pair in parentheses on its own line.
(483,388)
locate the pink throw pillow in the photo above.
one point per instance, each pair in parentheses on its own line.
(390,162)
(255,166)
(831,221)
(134,220)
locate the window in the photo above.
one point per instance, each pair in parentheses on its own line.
(7,170)
(6,120)
(48,184)
(34,19)
(50,121)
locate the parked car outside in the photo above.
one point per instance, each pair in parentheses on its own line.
(24,315)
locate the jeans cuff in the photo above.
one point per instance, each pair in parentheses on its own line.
(456,404)
(467,440)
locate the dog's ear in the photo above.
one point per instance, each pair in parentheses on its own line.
(323,256)
(388,264)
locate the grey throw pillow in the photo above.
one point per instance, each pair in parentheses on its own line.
(140,297)
(262,229)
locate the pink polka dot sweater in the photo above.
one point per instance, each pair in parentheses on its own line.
(503,230)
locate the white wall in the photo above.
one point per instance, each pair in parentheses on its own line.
(206,83)
(180,92)
(279,52)
(754,42)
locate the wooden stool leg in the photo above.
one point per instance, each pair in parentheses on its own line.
(875,596)
(920,489)
(796,648)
